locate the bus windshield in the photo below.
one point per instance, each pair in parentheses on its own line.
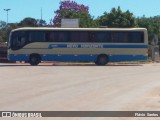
(18,40)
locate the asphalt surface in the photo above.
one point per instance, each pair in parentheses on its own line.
(80,87)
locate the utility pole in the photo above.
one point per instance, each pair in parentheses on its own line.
(41,13)
(41,17)
(7,14)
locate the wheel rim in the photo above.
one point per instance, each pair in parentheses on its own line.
(34,60)
(102,60)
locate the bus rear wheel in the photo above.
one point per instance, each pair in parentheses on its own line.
(102,60)
(34,59)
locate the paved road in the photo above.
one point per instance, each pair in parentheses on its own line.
(61,87)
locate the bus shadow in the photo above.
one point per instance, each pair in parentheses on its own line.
(116,65)
(19,65)
(65,64)
(127,65)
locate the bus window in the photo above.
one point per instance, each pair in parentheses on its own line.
(19,39)
(50,37)
(84,37)
(114,37)
(59,36)
(102,37)
(79,36)
(137,37)
(62,36)
(74,36)
(92,37)
(123,37)
(37,36)
(119,37)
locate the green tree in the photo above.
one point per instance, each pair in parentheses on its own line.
(3,31)
(41,23)
(28,22)
(70,9)
(2,24)
(2,36)
(117,18)
(152,24)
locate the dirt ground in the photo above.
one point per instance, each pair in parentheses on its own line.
(80,87)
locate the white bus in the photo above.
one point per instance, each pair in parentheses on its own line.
(99,45)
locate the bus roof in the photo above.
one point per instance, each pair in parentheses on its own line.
(80,29)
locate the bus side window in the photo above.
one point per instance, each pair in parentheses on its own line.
(50,37)
(114,37)
(79,36)
(92,37)
(37,36)
(137,37)
(62,37)
(74,36)
(123,37)
(84,37)
(102,37)
(119,37)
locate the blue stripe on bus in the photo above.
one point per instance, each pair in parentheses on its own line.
(52,46)
(79,58)
(94,46)
(125,46)
(119,58)
(18,57)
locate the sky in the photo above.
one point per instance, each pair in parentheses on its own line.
(21,9)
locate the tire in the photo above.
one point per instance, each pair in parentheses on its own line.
(34,59)
(102,60)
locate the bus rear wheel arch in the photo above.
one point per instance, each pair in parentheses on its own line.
(102,59)
(34,59)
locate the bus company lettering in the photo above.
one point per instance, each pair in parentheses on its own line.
(84,46)
(72,46)
(92,46)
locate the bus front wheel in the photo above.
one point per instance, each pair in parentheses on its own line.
(102,60)
(34,59)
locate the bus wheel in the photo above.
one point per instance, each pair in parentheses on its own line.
(102,60)
(34,59)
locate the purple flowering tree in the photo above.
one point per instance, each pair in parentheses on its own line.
(70,9)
